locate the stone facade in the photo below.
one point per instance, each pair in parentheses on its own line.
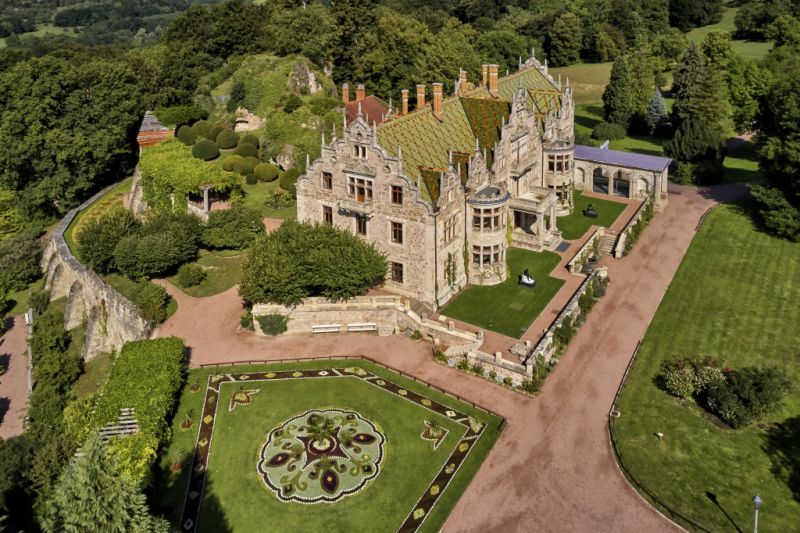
(444,190)
(111,319)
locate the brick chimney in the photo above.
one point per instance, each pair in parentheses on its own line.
(404,94)
(345,93)
(493,80)
(359,92)
(420,96)
(438,112)
(484,75)
(462,82)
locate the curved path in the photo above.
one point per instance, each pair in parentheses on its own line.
(553,468)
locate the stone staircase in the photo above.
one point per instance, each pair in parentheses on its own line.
(421,309)
(607,243)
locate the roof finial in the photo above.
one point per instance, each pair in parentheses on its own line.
(519,62)
(477,145)
(308,162)
(533,53)
(390,103)
(450,157)
(344,123)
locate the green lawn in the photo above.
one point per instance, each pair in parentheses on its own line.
(735,296)
(509,308)
(100,207)
(254,199)
(41,31)
(741,163)
(746,49)
(237,499)
(588,80)
(222,269)
(574,225)
(18,300)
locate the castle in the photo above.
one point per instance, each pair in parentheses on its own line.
(444,190)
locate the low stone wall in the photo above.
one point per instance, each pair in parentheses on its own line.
(546,346)
(619,247)
(577,262)
(111,319)
(495,363)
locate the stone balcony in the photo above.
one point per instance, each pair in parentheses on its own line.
(354,206)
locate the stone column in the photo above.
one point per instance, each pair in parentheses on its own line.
(205,200)
(552,217)
(541,225)
(611,183)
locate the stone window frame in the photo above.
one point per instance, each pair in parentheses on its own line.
(396,232)
(361,225)
(397,194)
(327,180)
(327,215)
(353,182)
(396,271)
(450,230)
(487,218)
(559,162)
(359,151)
(487,255)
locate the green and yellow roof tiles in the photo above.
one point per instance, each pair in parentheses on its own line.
(486,116)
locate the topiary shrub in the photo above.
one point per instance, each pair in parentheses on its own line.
(605,130)
(227,139)
(246,166)
(190,275)
(202,128)
(266,172)
(273,324)
(288,178)
(214,132)
(250,179)
(186,135)
(246,150)
(249,139)
(230,162)
(205,150)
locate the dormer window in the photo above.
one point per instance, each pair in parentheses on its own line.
(359,151)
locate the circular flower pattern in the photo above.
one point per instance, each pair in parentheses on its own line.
(321,456)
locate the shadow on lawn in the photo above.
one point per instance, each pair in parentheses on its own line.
(713,498)
(782,444)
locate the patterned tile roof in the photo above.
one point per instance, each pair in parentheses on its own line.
(427,141)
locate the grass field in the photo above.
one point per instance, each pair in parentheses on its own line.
(734,296)
(103,205)
(574,225)
(509,308)
(254,199)
(44,29)
(588,80)
(236,498)
(223,271)
(746,49)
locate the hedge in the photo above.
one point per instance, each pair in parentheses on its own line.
(606,131)
(186,135)
(147,376)
(205,150)
(152,300)
(202,128)
(227,139)
(246,166)
(229,162)
(214,132)
(266,172)
(246,150)
(236,227)
(273,324)
(250,139)
(180,115)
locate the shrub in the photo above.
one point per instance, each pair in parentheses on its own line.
(236,228)
(266,172)
(605,130)
(564,333)
(38,301)
(507,381)
(155,252)
(292,103)
(205,150)
(99,237)
(288,178)
(227,139)
(20,256)
(747,394)
(679,379)
(246,166)
(214,132)
(230,162)
(246,150)
(180,115)
(152,300)
(147,376)
(246,320)
(273,324)
(190,275)
(249,139)
(186,135)
(299,260)
(278,200)
(251,179)
(202,128)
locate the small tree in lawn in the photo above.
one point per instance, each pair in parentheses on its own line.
(91,494)
(656,111)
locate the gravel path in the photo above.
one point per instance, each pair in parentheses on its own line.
(14,383)
(553,468)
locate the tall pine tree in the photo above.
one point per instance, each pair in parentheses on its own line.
(91,495)
(617,98)
(656,110)
(685,84)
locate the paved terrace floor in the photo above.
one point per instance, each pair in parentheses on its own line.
(14,383)
(552,468)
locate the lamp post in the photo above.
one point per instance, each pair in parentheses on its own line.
(757,501)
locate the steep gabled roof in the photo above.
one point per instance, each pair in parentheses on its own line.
(373,109)
(486,117)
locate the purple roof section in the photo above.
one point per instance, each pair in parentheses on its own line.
(622,159)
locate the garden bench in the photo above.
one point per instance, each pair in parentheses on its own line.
(367,326)
(326,328)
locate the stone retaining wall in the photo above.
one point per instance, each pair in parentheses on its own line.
(111,319)
(575,264)
(619,247)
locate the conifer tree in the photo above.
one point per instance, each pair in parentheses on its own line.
(685,83)
(617,98)
(91,495)
(656,110)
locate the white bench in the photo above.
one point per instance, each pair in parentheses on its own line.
(326,328)
(366,326)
